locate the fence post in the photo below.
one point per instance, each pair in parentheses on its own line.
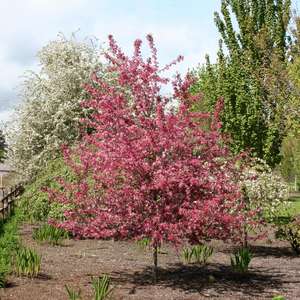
(5,204)
(7,200)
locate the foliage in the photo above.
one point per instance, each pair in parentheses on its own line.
(50,234)
(72,294)
(253,78)
(291,233)
(278,297)
(202,253)
(27,262)
(144,243)
(290,164)
(149,169)
(34,203)
(293,69)
(101,286)
(3,273)
(187,255)
(264,190)
(50,112)
(241,259)
(198,254)
(9,242)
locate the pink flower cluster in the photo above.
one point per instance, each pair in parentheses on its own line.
(149,169)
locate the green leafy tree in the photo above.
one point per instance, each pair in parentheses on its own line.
(290,164)
(251,75)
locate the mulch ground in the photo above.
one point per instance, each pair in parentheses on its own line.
(274,270)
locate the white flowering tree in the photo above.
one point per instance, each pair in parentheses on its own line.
(50,112)
(264,190)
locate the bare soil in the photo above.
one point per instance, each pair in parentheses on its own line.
(274,270)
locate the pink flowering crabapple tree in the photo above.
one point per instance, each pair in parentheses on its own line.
(149,169)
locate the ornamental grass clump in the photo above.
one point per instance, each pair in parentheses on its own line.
(72,294)
(241,259)
(198,254)
(187,255)
(150,167)
(202,253)
(27,263)
(101,286)
(50,234)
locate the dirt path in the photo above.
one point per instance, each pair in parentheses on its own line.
(274,271)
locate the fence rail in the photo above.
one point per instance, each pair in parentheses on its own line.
(8,197)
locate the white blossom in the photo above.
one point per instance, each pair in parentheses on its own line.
(50,112)
(264,190)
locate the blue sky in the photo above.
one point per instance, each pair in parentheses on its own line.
(179,27)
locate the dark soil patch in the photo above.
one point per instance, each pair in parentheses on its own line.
(275,270)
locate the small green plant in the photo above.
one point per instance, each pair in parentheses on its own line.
(291,233)
(198,254)
(187,255)
(241,259)
(72,294)
(144,243)
(202,253)
(2,278)
(101,286)
(50,234)
(27,263)
(279,297)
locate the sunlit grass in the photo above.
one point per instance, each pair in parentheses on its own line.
(294,208)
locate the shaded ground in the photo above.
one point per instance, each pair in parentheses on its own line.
(274,271)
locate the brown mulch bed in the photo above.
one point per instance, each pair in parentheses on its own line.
(275,270)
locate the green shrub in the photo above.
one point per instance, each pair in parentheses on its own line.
(198,254)
(27,263)
(101,286)
(9,242)
(290,232)
(34,203)
(241,259)
(265,190)
(50,234)
(73,295)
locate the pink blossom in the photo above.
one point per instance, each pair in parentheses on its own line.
(146,170)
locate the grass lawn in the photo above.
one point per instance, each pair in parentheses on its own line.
(295,205)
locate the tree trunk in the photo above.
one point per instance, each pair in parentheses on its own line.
(155,264)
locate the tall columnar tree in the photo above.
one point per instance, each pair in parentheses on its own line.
(50,112)
(290,164)
(148,170)
(294,75)
(251,74)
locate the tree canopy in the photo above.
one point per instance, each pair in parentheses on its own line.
(251,75)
